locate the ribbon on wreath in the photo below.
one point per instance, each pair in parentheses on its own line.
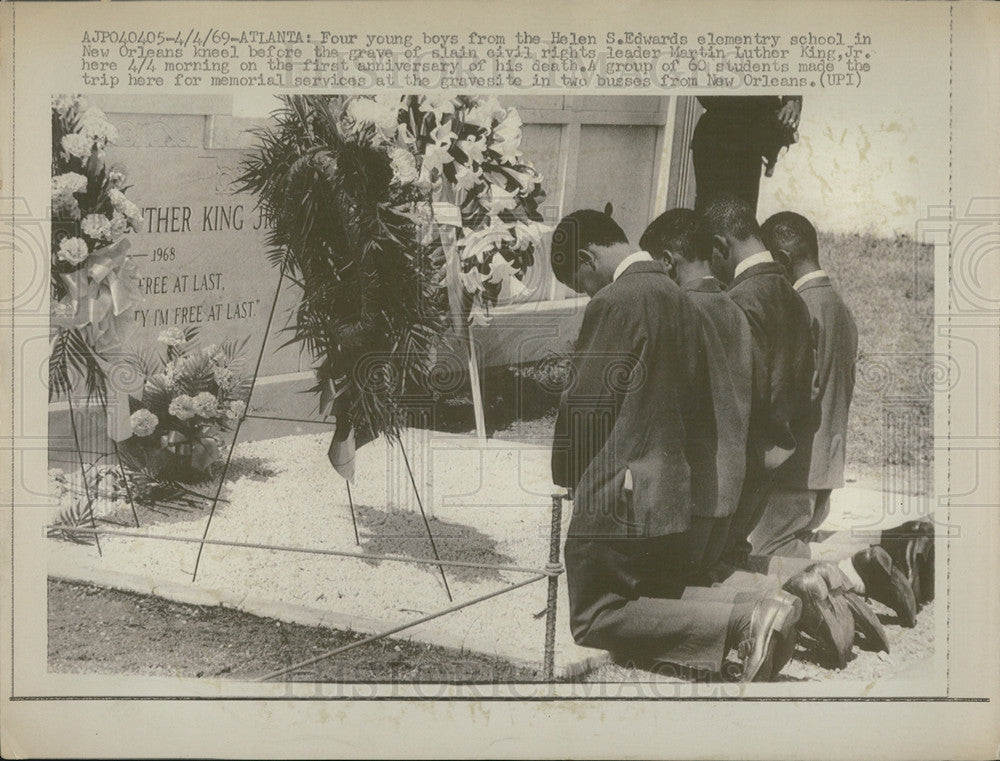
(98,294)
(119,417)
(446,222)
(334,400)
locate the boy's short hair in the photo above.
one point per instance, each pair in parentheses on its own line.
(579,230)
(674,231)
(728,215)
(793,233)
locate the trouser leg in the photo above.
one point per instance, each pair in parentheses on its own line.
(686,632)
(757,487)
(788,520)
(721,166)
(627,596)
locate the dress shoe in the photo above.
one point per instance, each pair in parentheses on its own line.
(885,583)
(866,622)
(911,547)
(836,581)
(825,617)
(926,570)
(784,646)
(773,619)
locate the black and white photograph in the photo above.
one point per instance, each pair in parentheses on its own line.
(489,389)
(537,379)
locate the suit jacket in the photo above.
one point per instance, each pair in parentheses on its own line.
(821,464)
(636,409)
(730,366)
(781,411)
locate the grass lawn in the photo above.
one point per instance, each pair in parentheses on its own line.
(889,286)
(105,631)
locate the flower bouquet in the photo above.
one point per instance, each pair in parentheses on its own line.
(463,152)
(190,397)
(95,492)
(372,305)
(93,280)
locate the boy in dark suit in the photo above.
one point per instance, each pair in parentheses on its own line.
(800,501)
(671,238)
(781,411)
(634,441)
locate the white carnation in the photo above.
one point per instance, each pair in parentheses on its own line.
(133,213)
(214,353)
(68,182)
(64,186)
(143,422)
(404,166)
(77,145)
(119,225)
(73,250)
(182,407)
(117,198)
(95,125)
(96,226)
(205,404)
(363,112)
(223,377)
(172,337)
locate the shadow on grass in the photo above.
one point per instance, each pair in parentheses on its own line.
(402,532)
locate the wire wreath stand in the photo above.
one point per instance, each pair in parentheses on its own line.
(551,571)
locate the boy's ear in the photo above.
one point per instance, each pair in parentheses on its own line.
(783,258)
(667,258)
(587,258)
(720,245)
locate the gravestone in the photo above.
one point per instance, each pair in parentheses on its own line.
(202,253)
(201,249)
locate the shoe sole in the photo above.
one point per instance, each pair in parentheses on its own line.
(903,592)
(786,636)
(866,622)
(781,620)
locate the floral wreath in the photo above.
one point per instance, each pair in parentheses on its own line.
(93,281)
(464,151)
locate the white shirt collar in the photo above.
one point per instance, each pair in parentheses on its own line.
(807,277)
(638,256)
(750,261)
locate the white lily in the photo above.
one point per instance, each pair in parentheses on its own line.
(473,149)
(500,268)
(478,244)
(498,200)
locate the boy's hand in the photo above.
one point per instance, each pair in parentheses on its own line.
(788,114)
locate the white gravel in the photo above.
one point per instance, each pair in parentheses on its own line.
(487,501)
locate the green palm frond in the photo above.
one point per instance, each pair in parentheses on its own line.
(72,358)
(367,287)
(143,360)
(195,373)
(157,395)
(79,514)
(150,487)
